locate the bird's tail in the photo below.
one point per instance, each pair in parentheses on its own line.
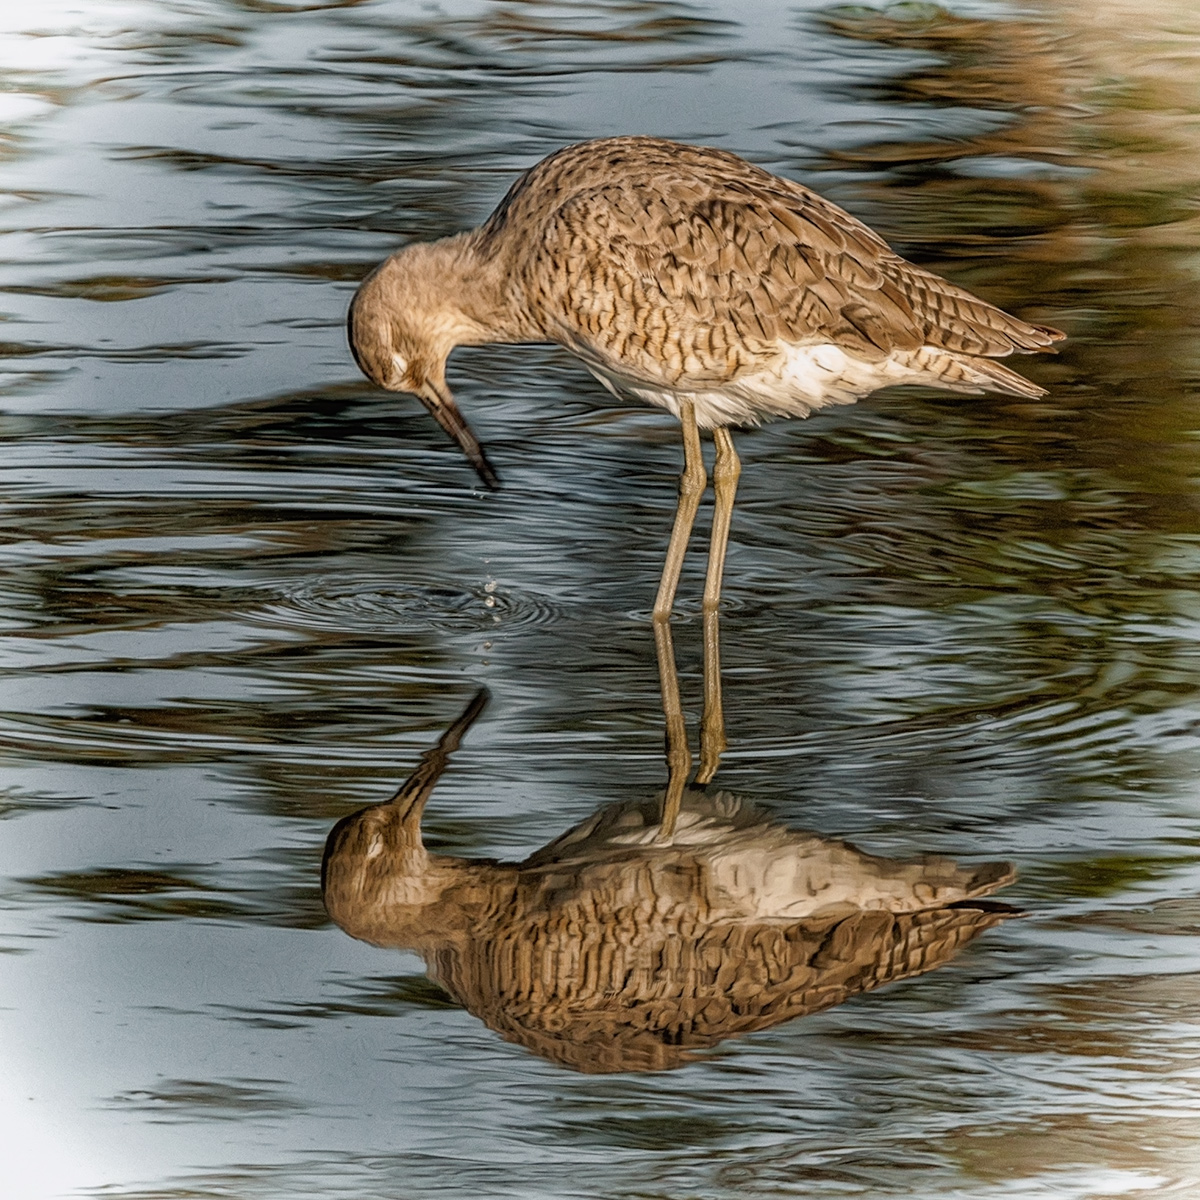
(957,372)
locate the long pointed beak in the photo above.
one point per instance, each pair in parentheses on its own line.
(416,789)
(437,398)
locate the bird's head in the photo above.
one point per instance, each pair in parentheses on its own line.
(378,881)
(402,324)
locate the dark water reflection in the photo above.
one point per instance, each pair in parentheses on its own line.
(243,591)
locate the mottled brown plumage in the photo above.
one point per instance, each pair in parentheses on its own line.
(690,279)
(685,267)
(610,950)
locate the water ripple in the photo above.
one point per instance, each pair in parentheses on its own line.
(245,591)
(364,604)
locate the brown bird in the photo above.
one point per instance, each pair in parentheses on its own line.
(607,950)
(690,279)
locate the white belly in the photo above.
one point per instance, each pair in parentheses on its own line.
(799,381)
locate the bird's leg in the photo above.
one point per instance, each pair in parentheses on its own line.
(712,724)
(679,757)
(726,469)
(691,487)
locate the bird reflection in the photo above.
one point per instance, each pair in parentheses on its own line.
(611,949)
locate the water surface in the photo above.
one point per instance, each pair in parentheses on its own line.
(244,591)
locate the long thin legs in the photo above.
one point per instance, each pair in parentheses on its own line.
(679,756)
(691,487)
(726,469)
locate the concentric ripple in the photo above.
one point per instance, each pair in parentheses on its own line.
(364,604)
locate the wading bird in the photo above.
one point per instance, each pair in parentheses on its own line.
(609,951)
(690,279)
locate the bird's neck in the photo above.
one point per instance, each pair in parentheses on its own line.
(475,284)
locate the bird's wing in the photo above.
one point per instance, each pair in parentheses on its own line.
(691,267)
(638,989)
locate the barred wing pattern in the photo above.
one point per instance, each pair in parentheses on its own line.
(607,950)
(688,268)
(635,993)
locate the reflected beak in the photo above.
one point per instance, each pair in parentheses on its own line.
(416,789)
(439,401)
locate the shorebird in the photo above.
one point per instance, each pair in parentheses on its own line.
(691,279)
(609,951)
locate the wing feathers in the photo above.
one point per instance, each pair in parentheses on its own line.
(697,240)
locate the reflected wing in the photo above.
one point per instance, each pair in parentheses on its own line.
(616,997)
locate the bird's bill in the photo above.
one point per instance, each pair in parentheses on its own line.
(446,413)
(409,801)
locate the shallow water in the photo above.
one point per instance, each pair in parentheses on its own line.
(244,591)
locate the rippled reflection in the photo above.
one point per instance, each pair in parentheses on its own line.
(241,591)
(616,949)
